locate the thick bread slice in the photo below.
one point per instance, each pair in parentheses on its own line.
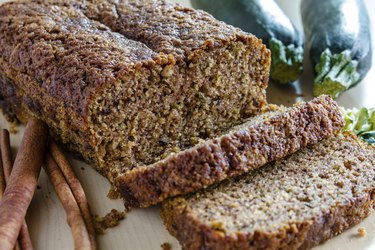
(262,139)
(295,203)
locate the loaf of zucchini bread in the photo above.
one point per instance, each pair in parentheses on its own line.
(262,139)
(126,83)
(295,203)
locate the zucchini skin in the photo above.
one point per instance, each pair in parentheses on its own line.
(337,29)
(267,21)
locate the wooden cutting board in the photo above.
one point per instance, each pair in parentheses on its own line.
(143,228)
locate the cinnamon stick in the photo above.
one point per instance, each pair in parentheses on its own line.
(74,217)
(22,182)
(6,154)
(2,180)
(76,189)
(24,237)
(24,240)
(2,188)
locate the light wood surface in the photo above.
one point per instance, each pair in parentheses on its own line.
(143,228)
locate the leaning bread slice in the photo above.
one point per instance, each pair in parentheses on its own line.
(260,140)
(295,203)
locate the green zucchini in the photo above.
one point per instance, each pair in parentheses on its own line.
(266,20)
(339,42)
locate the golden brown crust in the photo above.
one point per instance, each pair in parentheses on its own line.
(69,56)
(233,154)
(179,32)
(101,36)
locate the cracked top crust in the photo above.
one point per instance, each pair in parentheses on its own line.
(162,26)
(75,48)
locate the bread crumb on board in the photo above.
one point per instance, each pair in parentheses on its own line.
(13,128)
(109,220)
(362,232)
(113,193)
(13,124)
(166,246)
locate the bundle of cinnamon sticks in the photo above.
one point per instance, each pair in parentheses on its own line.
(18,182)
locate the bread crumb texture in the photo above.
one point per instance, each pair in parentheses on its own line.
(110,220)
(362,232)
(166,246)
(295,203)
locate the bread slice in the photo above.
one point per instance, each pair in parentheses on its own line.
(260,140)
(294,203)
(125,83)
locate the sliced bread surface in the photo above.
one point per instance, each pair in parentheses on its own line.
(262,139)
(295,203)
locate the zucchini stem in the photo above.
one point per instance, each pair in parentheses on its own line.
(286,61)
(335,73)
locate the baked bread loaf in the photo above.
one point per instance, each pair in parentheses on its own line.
(260,140)
(126,83)
(295,203)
